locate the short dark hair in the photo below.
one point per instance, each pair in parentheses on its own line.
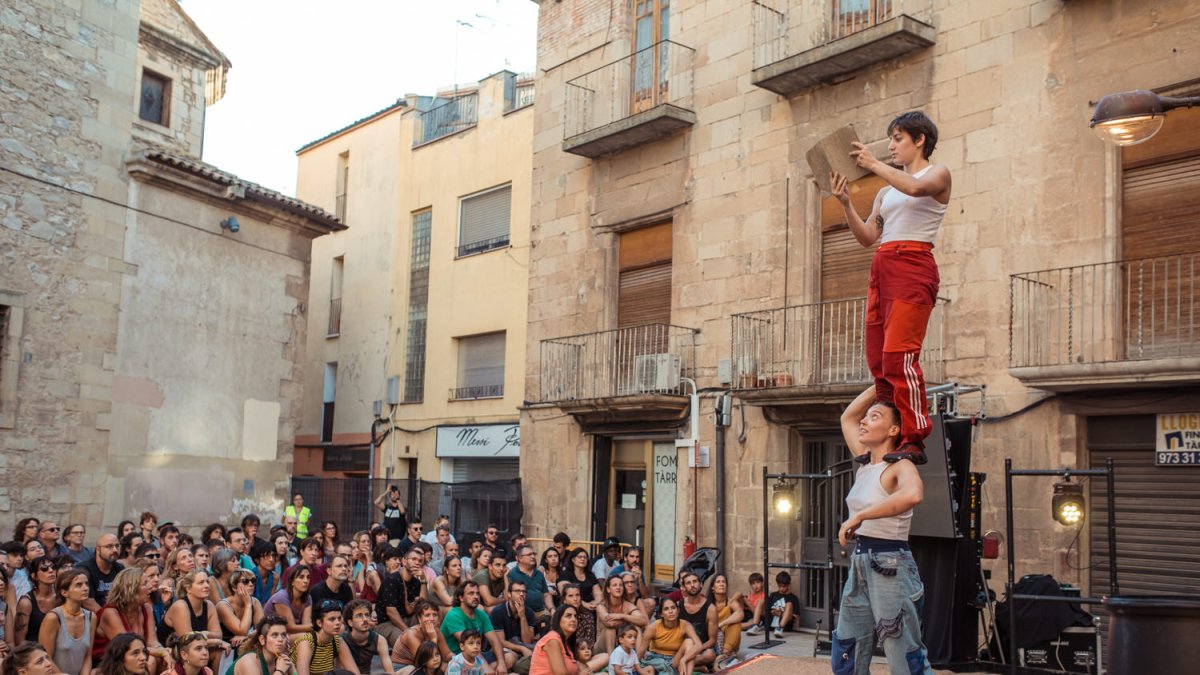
(353,606)
(783,578)
(167,529)
(144,547)
(462,590)
(468,635)
(756,576)
(916,124)
(562,538)
(311,542)
(261,550)
(250,519)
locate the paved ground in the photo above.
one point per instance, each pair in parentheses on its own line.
(793,657)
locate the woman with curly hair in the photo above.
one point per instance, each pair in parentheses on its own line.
(26,529)
(125,655)
(29,659)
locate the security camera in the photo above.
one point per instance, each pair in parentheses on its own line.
(231,224)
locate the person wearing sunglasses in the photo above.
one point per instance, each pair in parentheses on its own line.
(238,613)
(33,607)
(48,534)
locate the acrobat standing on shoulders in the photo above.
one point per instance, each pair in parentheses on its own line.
(903,284)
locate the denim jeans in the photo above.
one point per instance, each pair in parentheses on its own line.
(881,603)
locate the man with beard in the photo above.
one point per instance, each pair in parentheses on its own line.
(466,615)
(698,611)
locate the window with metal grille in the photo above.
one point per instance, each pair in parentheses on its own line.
(480,367)
(328,397)
(154,104)
(418,303)
(483,220)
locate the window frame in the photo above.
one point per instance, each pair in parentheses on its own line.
(485,245)
(461,391)
(165,119)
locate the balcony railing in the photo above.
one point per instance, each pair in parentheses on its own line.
(1128,310)
(335,317)
(455,115)
(476,392)
(647,359)
(339,207)
(816,345)
(793,49)
(471,248)
(640,98)
(518,92)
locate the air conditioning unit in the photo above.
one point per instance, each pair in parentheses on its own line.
(655,372)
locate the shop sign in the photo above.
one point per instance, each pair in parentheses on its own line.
(346,459)
(485,440)
(1177,440)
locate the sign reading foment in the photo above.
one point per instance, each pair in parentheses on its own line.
(484,440)
(1177,440)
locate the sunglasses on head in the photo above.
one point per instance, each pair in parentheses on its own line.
(330,606)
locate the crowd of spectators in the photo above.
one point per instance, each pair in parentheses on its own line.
(148,598)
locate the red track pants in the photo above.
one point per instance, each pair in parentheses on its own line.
(900,297)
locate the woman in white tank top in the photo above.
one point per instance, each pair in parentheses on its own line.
(883,596)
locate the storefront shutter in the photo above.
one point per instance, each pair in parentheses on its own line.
(1157,512)
(469,469)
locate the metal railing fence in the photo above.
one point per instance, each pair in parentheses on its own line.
(818,344)
(455,115)
(518,92)
(647,359)
(335,316)
(480,391)
(784,28)
(1126,310)
(647,78)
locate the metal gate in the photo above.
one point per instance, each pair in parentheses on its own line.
(815,518)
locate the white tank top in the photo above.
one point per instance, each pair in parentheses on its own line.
(867,492)
(910,218)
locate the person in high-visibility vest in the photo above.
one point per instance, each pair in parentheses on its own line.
(301,513)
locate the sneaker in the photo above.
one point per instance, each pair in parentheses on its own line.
(754,630)
(910,451)
(721,662)
(777,634)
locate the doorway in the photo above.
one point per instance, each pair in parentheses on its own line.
(819,453)
(629,504)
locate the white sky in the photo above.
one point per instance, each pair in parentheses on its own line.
(304,68)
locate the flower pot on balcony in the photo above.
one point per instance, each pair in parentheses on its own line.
(748,380)
(782,379)
(764,381)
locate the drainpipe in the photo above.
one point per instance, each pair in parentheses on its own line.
(722,421)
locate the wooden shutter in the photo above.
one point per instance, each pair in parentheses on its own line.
(484,221)
(1157,512)
(1161,201)
(845,263)
(644,260)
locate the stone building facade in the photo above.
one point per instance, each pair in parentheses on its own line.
(418,325)
(671,187)
(152,305)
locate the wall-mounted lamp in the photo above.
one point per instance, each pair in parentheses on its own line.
(1133,117)
(231,224)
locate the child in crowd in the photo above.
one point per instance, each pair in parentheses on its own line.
(782,605)
(754,606)
(468,661)
(624,658)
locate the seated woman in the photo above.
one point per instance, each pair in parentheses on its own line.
(613,611)
(238,614)
(224,561)
(668,645)
(67,630)
(322,650)
(270,654)
(191,653)
(426,629)
(29,659)
(192,612)
(292,602)
(128,611)
(33,607)
(729,618)
(554,654)
(445,586)
(125,655)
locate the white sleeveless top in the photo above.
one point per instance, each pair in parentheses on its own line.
(867,492)
(910,218)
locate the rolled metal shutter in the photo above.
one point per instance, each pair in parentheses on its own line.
(485,469)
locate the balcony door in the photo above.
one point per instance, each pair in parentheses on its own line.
(651,25)
(851,16)
(643,298)
(1159,249)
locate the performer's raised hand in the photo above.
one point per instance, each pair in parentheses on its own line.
(863,157)
(840,187)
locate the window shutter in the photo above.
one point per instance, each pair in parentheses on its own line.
(1159,211)
(484,221)
(481,361)
(845,265)
(645,296)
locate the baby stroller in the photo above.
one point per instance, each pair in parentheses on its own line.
(702,563)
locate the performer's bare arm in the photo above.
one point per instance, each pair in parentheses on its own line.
(866,232)
(934,183)
(853,415)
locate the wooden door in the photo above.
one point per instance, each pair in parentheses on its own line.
(651,25)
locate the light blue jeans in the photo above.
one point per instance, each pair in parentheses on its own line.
(881,602)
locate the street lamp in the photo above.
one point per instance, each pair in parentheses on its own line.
(1133,117)
(783,497)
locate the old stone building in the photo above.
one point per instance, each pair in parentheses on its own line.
(678,231)
(152,306)
(416,344)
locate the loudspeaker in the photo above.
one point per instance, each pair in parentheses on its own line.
(935,516)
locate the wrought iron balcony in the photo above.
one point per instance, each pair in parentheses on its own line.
(793,51)
(518,92)
(446,119)
(477,392)
(644,97)
(817,345)
(335,317)
(638,360)
(1106,323)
